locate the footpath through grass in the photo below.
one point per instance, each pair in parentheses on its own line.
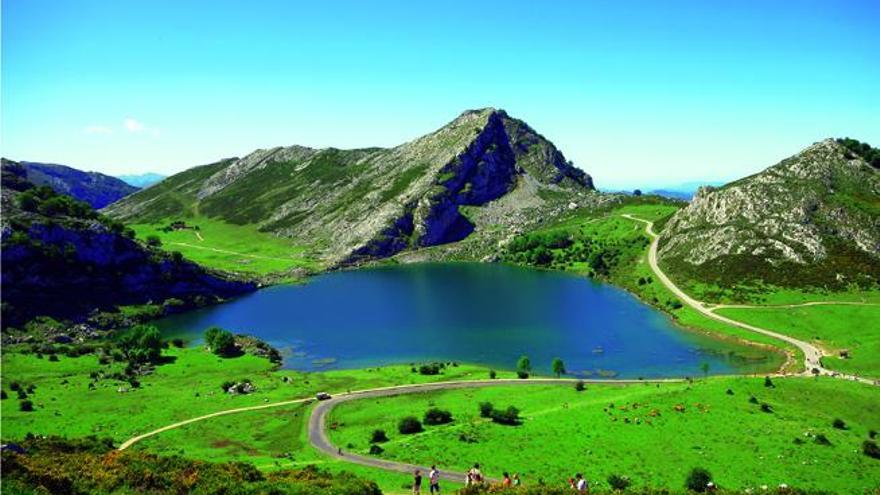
(653,434)
(836,328)
(234,248)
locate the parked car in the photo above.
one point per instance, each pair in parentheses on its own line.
(322,396)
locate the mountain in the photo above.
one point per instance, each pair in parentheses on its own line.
(811,220)
(96,189)
(141,180)
(63,259)
(484,169)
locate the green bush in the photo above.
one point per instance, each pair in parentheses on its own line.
(580,386)
(26,405)
(509,416)
(486,409)
(821,439)
(409,425)
(870,449)
(698,480)
(437,416)
(839,424)
(492,374)
(376,450)
(378,436)
(220,341)
(431,369)
(617,482)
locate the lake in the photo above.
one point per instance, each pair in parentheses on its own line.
(467,312)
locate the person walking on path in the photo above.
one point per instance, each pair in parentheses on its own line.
(417,482)
(516,481)
(506,483)
(434,479)
(580,484)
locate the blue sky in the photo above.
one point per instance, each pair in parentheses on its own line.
(646,93)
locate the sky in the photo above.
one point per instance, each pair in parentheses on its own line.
(638,94)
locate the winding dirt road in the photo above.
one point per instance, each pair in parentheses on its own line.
(812,354)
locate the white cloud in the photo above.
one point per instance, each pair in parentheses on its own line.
(97,129)
(132,125)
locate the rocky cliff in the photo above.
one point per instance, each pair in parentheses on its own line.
(61,259)
(354,205)
(812,219)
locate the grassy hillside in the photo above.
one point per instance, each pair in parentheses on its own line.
(652,434)
(233,248)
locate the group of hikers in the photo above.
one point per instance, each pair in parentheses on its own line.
(475,477)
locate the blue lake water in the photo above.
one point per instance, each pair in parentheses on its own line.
(478,313)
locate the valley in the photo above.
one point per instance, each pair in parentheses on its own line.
(467,249)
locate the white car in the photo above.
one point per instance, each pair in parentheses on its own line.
(322,396)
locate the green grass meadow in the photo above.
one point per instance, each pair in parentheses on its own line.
(833,327)
(637,431)
(233,248)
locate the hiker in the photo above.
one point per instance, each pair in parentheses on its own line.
(571,484)
(506,481)
(417,482)
(474,475)
(580,483)
(516,481)
(434,478)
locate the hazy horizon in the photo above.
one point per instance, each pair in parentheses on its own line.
(639,95)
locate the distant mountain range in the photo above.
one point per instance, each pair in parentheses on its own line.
(96,189)
(141,180)
(483,168)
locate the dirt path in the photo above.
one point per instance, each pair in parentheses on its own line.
(812,354)
(713,307)
(224,251)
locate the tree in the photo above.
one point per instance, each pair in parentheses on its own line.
(141,344)
(437,416)
(698,480)
(509,416)
(523,366)
(705,368)
(558,367)
(154,241)
(220,341)
(637,192)
(409,424)
(379,436)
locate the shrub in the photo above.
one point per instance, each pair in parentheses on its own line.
(154,240)
(729,392)
(766,408)
(225,386)
(509,416)
(430,369)
(580,386)
(26,405)
(436,416)
(378,436)
(53,358)
(15,386)
(3,395)
(522,374)
(486,409)
(698,480)
(872,434)
(22,394)
(839,424)
(870,449)
(376,450)
(492,374)
(409,425)
(768,382)
(753,400)
(821,439)
(220,341)
(179,343)
(617,482)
